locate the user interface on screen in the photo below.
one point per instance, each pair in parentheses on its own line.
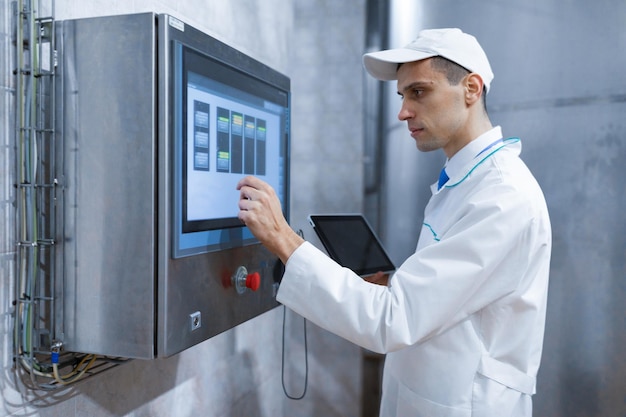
(233,124)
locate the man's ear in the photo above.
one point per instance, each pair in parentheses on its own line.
(473,88)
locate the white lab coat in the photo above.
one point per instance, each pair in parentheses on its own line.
(462,319)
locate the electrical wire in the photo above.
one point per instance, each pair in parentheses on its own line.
(75,374)
(49,376)
(35,166)
(306,361)
(27,181)
(306,352)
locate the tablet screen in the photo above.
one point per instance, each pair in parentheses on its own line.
(351,242)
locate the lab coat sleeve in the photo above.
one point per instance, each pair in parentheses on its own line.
(479,259)
(335,298)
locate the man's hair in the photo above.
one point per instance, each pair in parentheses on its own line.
(454,73)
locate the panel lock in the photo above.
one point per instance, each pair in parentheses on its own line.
(242,281)
(195,320)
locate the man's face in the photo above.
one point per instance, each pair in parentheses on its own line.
(435,111)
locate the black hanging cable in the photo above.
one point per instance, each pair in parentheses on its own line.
(306,353)
(306,361)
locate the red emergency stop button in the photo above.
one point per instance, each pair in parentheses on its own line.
(253,281)
(242,281)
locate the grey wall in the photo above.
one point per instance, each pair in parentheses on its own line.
(560,86)
(237,373)
(327,174)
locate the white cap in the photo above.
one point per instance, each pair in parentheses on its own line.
(451,44)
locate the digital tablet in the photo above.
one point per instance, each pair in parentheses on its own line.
(351,242)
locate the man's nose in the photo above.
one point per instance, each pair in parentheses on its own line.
(404,113)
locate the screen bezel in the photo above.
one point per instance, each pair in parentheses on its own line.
(321,224)
(213,234)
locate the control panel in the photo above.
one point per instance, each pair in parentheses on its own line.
(152,256)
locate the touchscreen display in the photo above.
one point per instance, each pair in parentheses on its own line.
(231,120)
(229,134)
(351,242)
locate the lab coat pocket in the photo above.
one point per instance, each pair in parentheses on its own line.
(493,399)
(411,404)
(506,375)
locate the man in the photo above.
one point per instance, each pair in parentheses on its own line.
(462,319)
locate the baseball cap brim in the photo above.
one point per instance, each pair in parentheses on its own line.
(383,65)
